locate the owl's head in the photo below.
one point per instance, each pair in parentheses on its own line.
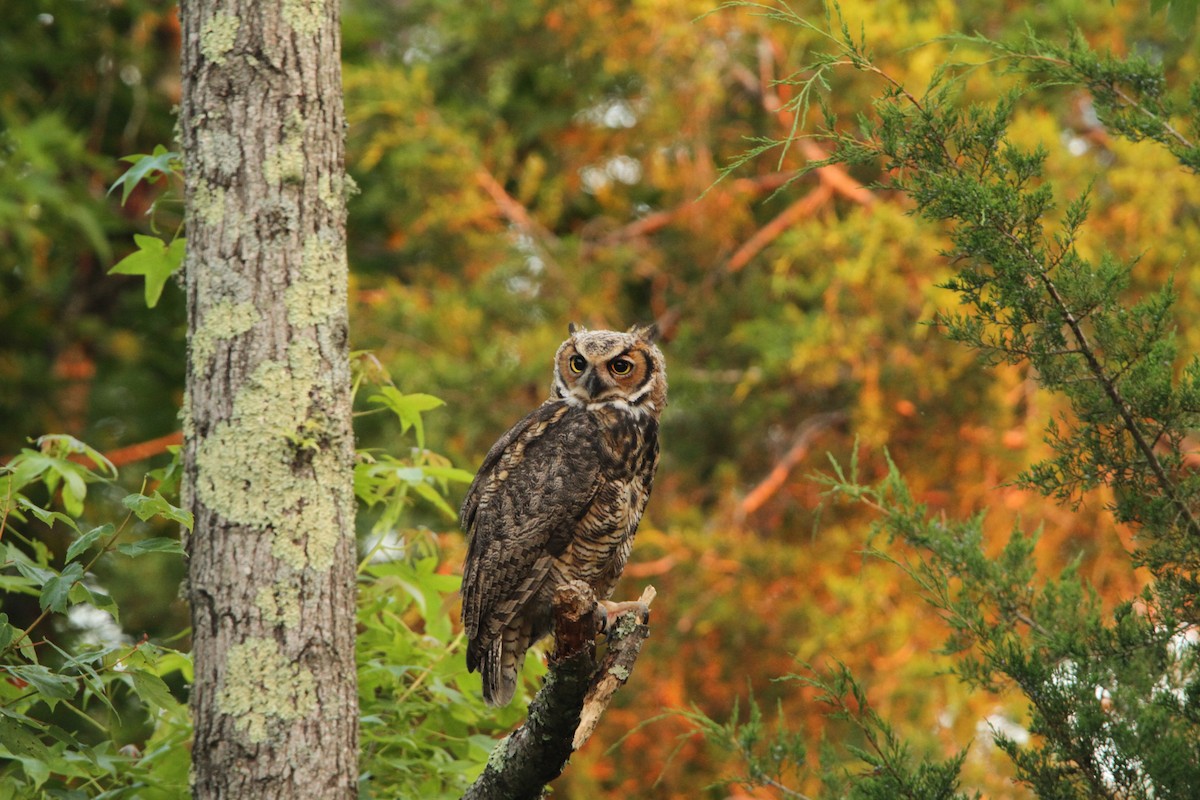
(608,367)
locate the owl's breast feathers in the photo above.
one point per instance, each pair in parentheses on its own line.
(558,497)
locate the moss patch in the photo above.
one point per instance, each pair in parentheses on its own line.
(260,686)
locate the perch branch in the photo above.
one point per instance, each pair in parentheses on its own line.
(624,646)
(537,752)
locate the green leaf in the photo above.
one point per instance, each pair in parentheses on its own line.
(173,661)
(153,690)
(60,446)
(155,260)
(36,575)
(20,584)
(147,167)
(48,518)
(169,476)
(80,593)
(156,505)
(449,473)
(433,496)
(80,545)
(408,408)
(51,686)
(56,589)
(157,544)
(26,747)
(1181,14)
(74,491)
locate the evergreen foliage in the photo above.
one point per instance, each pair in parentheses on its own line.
(1111,692)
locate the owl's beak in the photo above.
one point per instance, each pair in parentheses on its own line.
(592,384)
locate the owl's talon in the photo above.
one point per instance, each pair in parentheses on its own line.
(609,612)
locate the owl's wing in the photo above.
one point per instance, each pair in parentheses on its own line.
(535,485)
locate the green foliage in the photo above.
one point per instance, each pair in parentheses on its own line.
(78,84)
(1181,14)
(771,760)
(1034,297)
(528,164)
(37,162)
(1107,693)
(425,730)
(95,711)
(154,259)
(161,165)
(777,758)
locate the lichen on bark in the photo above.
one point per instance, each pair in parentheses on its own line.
(312,297)
(270,456)
(223,320)
(260,685)
(280,603)
(218,36)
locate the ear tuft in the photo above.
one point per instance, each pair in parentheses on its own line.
(647,333)
(573,329)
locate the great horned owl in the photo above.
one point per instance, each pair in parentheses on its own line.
(559,497)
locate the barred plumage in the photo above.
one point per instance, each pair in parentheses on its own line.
(559,497)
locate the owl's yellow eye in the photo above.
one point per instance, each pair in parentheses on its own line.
(578,364)
(621,366)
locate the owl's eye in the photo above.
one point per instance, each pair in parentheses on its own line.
(621,366)
(578,364)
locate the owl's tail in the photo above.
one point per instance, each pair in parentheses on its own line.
(499,663)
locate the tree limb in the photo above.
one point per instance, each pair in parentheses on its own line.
(778,475)
(537,752)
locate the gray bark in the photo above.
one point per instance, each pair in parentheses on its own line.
(268,448)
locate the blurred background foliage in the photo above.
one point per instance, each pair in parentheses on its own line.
(527,164)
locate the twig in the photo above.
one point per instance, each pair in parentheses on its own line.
(541,239)
(658,220)
(1128,421)
(143,450)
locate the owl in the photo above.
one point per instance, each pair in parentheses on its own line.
(559,496)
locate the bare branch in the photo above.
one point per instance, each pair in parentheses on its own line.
(615,669)
(771,484)
(768,233)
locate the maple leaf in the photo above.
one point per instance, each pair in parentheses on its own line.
(155,260)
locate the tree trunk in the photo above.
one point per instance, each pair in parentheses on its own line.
(268,447)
